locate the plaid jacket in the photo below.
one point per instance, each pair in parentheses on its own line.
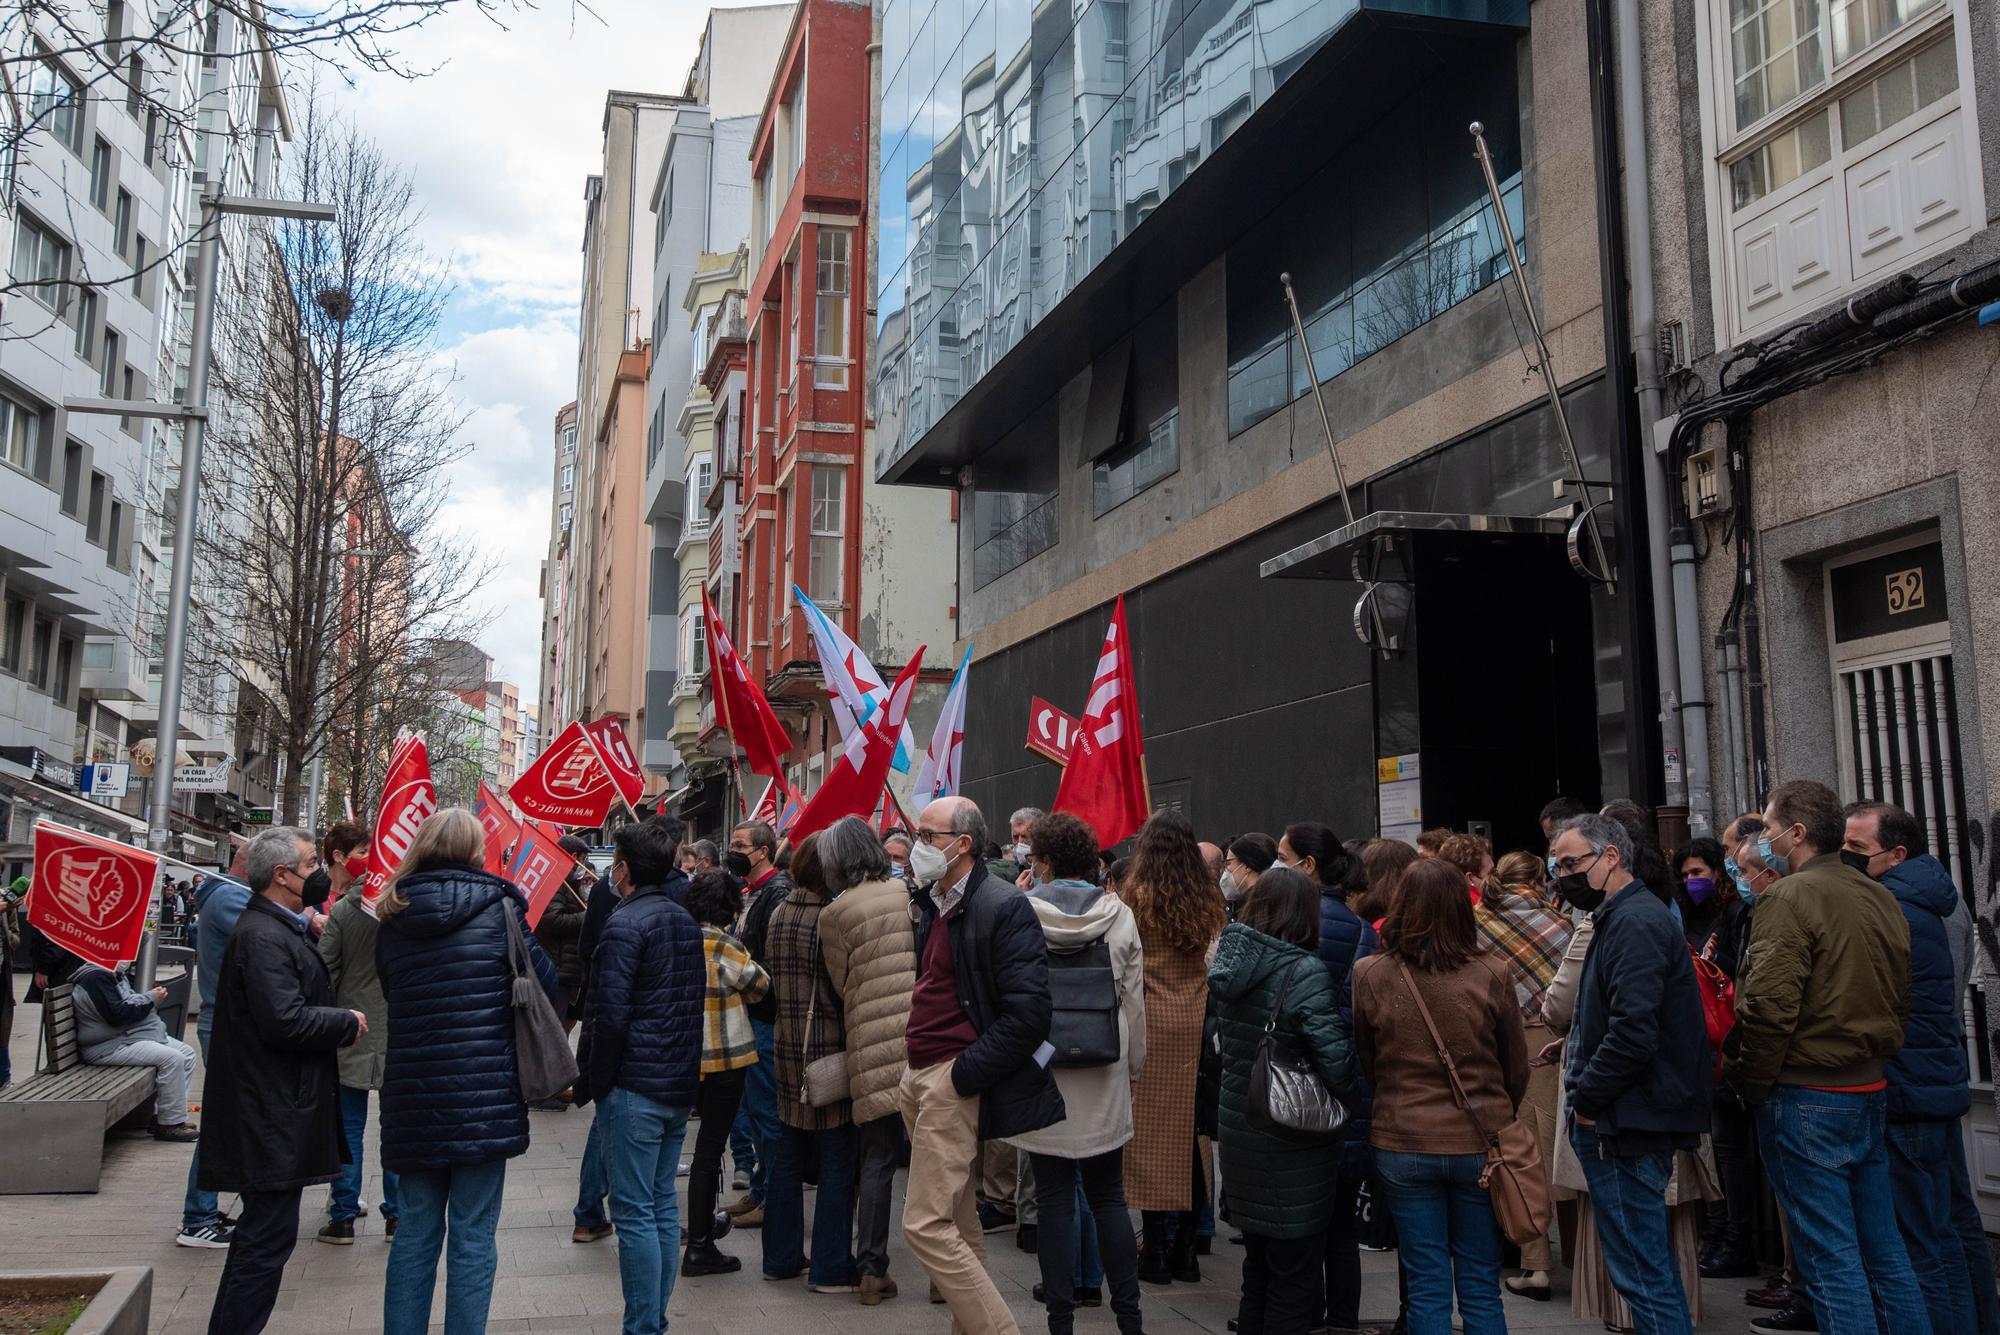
(800,983)
(1530,938)
(727,1041)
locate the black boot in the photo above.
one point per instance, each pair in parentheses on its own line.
(1154,1267)
(1181,1261)
(705,1258)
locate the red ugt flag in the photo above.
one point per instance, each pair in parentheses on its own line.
(502,830)
(90,894)
(408,800)
(608,736)
(1104,783)
(569,782)
(854,785)
(745,712)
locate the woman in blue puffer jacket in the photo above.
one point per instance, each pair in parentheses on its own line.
(452,1112)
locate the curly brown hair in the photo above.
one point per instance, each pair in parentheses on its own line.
(1173,899)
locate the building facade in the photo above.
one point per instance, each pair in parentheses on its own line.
(550,698)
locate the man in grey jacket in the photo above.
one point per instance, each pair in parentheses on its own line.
(347,945)
(118,1026)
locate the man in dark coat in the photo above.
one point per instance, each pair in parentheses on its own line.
(642,1044)
(271,1117)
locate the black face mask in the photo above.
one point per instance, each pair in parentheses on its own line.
(317,887)
(1858,861)
(1576,892)
(738,864)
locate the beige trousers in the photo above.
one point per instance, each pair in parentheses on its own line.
(940,1210)
(1538,1110)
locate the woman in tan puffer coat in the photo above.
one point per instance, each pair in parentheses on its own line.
(871,956)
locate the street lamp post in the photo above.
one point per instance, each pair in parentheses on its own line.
(166,746)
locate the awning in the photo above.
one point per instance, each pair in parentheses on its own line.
(68,809)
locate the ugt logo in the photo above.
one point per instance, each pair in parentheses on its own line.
(96,889)
(576,774)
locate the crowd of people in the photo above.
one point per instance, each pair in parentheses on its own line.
(1294,1039)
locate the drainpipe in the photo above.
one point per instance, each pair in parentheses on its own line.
(1677,638)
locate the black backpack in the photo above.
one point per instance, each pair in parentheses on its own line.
(1083,1027)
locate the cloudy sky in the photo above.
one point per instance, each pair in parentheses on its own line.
(500,140)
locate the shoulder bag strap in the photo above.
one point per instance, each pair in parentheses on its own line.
(1278,1002)
(517,949)
(1444,1056)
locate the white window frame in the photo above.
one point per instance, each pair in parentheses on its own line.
(833,285)
(827,533)
(20,430)
(1723,146)
(34,243)
(569,477)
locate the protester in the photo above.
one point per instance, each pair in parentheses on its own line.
(1430,1150)
(347,947)
(591,1220)
(10,944)
(1280,1189)
(1250,856)
(896,844)
(979,1010)
(1179,916)
(1383,862)
(452,1112)
(765,888)
(1637,1068)
(1929,1089)
(1820,1010)
(704,857)
(641,1054)
(728,1049)
(1700,891)
(1018,826)
(871,959)
(1431,842)
(1345,940)
(117,1025)
(1093,941)
(1558,811)
(1472,856)
(271,1124)
(1213,858)
(1520,930)
(560,933)
(814,1142)
(219,903)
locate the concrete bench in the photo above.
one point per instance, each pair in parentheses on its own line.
(54,1123)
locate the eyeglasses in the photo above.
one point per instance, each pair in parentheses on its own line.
(928,835)
(1569,865)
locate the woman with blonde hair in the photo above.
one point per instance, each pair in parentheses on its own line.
(452,1111)
(1179,913)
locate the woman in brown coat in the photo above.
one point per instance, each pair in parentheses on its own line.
(1179,912)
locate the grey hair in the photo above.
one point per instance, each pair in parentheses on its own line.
(1602,832)
(1026,816)
(849,854)
(274,848)
(706,850)
(968,819)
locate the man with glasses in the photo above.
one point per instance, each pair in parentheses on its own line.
(757,1119)
(1637,1064)
(271,1124)
(977,1046)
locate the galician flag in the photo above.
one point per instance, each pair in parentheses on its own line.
(937,775)
(851,680)
(854,784)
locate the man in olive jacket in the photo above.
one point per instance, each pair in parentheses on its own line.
(347,945)
(1821,1004)
(271,1120)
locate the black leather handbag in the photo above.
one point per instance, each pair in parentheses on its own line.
(1287,1097)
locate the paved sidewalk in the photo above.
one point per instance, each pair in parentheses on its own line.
(547,1283)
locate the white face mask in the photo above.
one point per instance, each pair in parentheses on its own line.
(1022,853)
(1228,885)
(926,863)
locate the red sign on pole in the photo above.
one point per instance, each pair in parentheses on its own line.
(408,800)
(90,894)
(608,736)
(569,783)
(1050,731)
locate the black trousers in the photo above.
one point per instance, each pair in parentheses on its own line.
(1343,1256)
(1281,1285)
(721,1092)
(1055,1202)
(1733,1219)
(266,1232)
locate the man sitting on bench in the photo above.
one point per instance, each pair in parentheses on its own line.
(116,1026)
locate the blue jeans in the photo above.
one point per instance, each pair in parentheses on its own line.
(1089,1261)
(455,1206)
(1920,1181)
(642,1152)
(1449,1239)
(1826,1158)
(346,1202)
(200,1209)
(591,1186)
(1628,1198)
(833,1208)
(1971,1230)
(757,1116)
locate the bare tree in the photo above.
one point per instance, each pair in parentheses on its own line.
(327,547)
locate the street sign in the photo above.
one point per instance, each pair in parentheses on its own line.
(107,780)
(202,778)
(257,816)
(1050,731)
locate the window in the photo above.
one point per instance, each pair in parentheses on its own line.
(784,598)
(152,133)
(567,510)
(116,539)
(113,348)
(1839,148)
(13,632)
(569,477)
(791,366)
(139,269)
(93,524)
(1146,447)
(100,176)
(829,509)
(121,223)
(702,479)
(72,478)
(135,83)
(20,431)
(65,682)
(697,656)
(569,440)
(86,325)
(55,102)
(1016,505)
(795,128)
(830,359)
(40,653)
(41,261)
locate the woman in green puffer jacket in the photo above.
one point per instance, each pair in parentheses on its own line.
(1280,1191)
